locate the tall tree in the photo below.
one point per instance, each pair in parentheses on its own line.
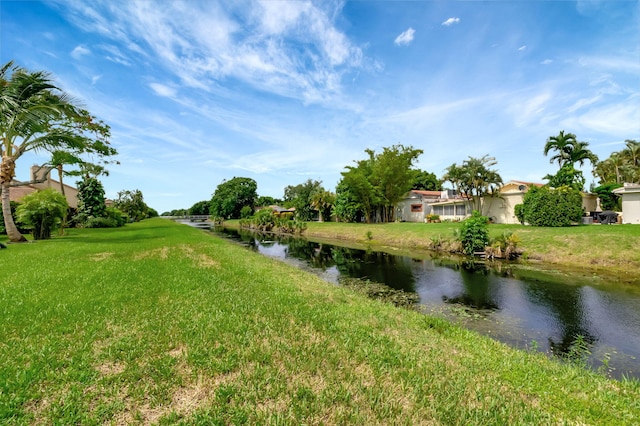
(426,181)
(132,204)
(231,196)
(301,197)
(560,145)
(475,179)
(37,115)
(378,182)
(323,202)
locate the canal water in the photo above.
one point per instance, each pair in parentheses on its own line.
(599,324)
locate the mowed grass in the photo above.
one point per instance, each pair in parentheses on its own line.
(589,249)
(161,323)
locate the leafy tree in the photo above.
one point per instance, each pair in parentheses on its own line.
(42,211)
(567,176)
(301,197)
(376,184)
(91,201)
(622,166)
(36,115)
(474,233)
(426,181)
(609,200)
(132,204)
(265,200)
(346,207)
(323,202)
(231,196)
(200,208)
(552,207)
(475,179)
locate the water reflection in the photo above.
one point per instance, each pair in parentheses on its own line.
(516,310)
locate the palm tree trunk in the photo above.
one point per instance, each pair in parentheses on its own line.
(9,225)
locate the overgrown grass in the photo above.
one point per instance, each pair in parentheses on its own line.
(161,323)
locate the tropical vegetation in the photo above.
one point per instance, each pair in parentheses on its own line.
(231,196)
(475,180)
(42,211)
(35,115)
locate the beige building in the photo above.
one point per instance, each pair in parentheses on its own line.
(41,179)
(450,206)
(630,194)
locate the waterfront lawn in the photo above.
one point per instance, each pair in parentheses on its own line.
(159,322)
(597,249)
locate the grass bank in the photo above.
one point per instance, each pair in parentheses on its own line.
(160,323)
(612,251)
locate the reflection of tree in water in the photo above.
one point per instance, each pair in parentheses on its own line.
(565,304)
(394,271)
(477,287)
(317,254)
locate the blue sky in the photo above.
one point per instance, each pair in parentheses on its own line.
(284,91)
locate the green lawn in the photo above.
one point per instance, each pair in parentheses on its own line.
(590,249)
(162,323)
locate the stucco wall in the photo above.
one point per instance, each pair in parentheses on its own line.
(631,208)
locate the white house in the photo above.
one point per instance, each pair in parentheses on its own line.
(630,193)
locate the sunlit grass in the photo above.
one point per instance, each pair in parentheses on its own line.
(161,323)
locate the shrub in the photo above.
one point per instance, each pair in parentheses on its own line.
(41,211)
(246,212)
(474,233)
(552,207)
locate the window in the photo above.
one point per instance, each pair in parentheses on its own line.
(416,208)
(439,210)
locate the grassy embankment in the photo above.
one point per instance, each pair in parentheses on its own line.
(161,323)
(607,250)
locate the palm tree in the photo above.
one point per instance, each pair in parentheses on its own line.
(577,152)
(36,115)
(561,144)
(475,179)
(323,201)
(632,152)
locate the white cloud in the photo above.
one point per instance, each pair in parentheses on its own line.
(405,38)
(546,62)
(163,90)
(451,21)
(80,51)
(95,79)
(522,48)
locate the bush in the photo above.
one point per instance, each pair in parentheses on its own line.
(474,233)
(552,207)
(246,212)
(42,211)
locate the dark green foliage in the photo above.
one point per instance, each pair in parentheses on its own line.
(545,206)
(132,204)
(200,208)
(519,212)
(426,181)
(474,233)
(246,212)
(91,202)
(265,201)
(231,196)
(475,179)
(609,200)
(301,197)
(346,207)
(376,184)
(42,211)
(567,176)
(14,205)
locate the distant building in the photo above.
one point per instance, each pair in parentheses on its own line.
(40,178)
(630,193)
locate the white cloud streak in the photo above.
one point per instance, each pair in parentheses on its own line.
(405,38)
(451,21)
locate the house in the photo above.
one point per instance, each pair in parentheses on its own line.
(630,193)
(417,204)
(452,206)
(41,179)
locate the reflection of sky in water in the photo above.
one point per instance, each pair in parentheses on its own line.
(511,310)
